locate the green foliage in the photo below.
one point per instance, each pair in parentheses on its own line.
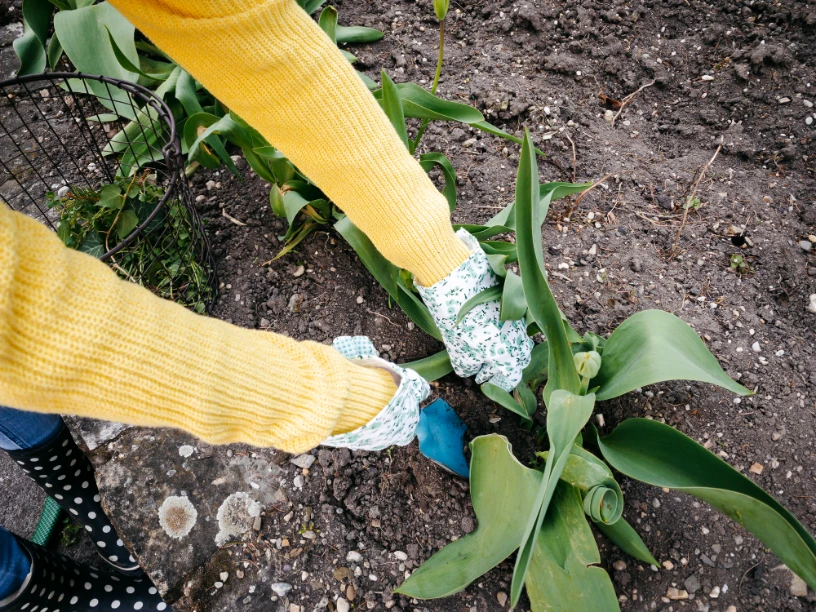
(661,456)
(556,555)
(162,259)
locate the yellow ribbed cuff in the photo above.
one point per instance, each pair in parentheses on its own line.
(369,391)
(449,254)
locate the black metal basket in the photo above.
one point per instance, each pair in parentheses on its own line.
(70,142)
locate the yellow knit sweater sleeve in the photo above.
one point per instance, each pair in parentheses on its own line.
(76,339)
(270,63)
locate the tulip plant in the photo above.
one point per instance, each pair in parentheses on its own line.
(538,511)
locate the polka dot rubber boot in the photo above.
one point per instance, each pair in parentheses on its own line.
(62,469)
(59,584)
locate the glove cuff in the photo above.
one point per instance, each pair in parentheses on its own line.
(445,298)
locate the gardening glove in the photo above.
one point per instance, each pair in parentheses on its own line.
(495,351)
(396,423)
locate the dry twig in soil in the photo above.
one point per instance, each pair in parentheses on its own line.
(581,197)
(691,196)
(627,100)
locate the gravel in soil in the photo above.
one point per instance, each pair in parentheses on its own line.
(345,530)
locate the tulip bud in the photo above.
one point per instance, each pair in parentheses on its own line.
(441,8)
(587,364)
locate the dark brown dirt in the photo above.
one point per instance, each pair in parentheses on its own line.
(542,65)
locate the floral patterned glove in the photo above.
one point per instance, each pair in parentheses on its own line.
(495,351)
(396,423)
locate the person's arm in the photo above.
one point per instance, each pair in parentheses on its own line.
(76,339)
(270,63)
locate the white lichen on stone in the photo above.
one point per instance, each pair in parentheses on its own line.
(186,450)
(236,516)
(177,516)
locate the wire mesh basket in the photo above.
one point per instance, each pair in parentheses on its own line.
(99,161)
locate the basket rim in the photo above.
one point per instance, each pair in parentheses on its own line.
(171,151)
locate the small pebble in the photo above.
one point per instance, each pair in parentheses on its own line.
(805,245)
(186,450)
(501,597)
(401,555)
(756,468)
(715,593)
(223,576)
(798,587)
(756,347)
(354,557)
(676,594)
(280,588)
(812,303)
(303,461)
(342,605)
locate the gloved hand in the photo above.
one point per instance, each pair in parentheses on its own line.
(396,423)
(495,351)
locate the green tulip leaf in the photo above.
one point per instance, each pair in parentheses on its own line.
(627,539)
(85,35)
(30,47)
(542,305)
(418,103)
(428,161)
(392,105)
(433,367)
(547,193)
(567,414)
(563,571)
(654,346)
(661,456)
(504,399)
(328,22)
(356,34)
(513,303)
(502,491)
(485,295)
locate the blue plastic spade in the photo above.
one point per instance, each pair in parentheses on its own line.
(441,435)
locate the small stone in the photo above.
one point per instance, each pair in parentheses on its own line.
(808,120)
(45,93)
(62,191)
(210,185)
(401,555)
(676,594)
(798,587)
(303,461)
(354,557)
(619,565)
(299,271)
(692,583)
(501,597)
(342,605)
(341,573)
(807,103)
(756,468)
(360,299)
(668,565)
(707,77)
(186,450)
(256,524)
(294,608)
(609,116)
(756,347)
(309,535)
(219,584)
(351,592)
(805,245)
(280,588)
(784,100)
(731,609)
(469,143)
(298,481)
(224,576)
(715,593)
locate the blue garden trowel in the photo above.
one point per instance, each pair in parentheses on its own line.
(441,435)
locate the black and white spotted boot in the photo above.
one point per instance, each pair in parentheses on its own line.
(62,469)
(59,584)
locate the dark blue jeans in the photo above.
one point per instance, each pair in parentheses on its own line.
(20,430)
